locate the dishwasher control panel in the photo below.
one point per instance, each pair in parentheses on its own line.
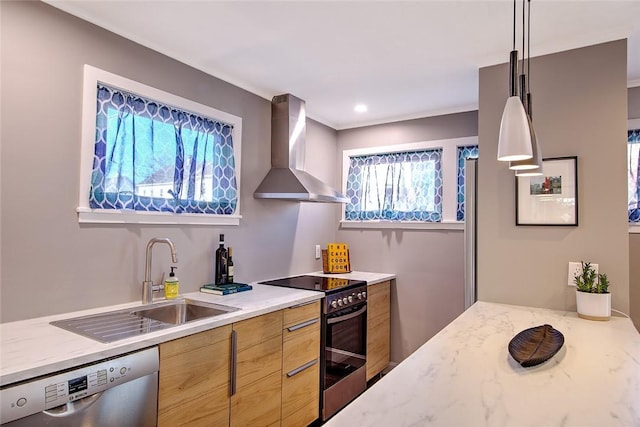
(58,389)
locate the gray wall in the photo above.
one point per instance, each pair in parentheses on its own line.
(634,102)
(634,239)
(51,264)
(428,292)
(580,106)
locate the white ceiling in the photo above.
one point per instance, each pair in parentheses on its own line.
(404,59)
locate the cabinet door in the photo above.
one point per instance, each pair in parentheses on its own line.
(194,380)
(378,327)
(257,373)
(301,365)
(258,403)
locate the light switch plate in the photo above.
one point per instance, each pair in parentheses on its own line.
(318,252)
(576,268)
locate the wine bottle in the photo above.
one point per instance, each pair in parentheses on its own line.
(221,263)
(229,266)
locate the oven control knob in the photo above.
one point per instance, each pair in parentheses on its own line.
(339,302)
(359,295)
(345,301)
(334,304)
(364,294)
(350,298)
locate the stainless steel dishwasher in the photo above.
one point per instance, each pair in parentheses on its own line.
(122,391)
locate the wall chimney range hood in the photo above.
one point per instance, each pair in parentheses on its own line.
(287,179)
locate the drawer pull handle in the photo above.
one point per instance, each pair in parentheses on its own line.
(302,325)
(303,304)
(234,362)
(302,368)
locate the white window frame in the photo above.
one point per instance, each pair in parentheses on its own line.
(634,228)
(448,163)
(93,76)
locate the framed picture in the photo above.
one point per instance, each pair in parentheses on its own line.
(551,198)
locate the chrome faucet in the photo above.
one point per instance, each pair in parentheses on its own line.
(147,285)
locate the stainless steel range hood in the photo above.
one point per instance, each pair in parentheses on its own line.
(287,179)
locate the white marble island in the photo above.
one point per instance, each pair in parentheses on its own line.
(464,376)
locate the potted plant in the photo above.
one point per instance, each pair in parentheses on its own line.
(592,294)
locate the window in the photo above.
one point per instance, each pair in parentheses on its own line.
(633,157)
(406,186)
(152,157)
(464,153)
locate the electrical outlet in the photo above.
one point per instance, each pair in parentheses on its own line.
(318,252)
(576,268)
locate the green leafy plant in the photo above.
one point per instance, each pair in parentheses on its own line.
(589,281)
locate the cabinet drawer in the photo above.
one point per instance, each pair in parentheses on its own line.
(300,396)
(301,313)
(300,346)
(258,329)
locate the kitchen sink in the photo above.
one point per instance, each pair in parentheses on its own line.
(183,311)
(120,324)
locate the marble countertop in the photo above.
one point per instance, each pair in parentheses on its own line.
(33,347)
(464,376)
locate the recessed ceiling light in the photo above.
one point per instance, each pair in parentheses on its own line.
(360,108)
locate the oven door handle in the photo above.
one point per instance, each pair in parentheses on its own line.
(332,320)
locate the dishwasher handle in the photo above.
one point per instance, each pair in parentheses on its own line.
(71,408)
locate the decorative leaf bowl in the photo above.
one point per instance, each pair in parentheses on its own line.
(535,345)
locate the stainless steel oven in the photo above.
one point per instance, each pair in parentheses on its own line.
(344,344)
(343,338)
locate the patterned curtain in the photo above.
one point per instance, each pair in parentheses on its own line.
(153,157)
(464,153)
(633,156)
(396,186)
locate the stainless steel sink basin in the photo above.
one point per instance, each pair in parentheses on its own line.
(120,324)
(182,311)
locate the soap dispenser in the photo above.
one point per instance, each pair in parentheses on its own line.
(171,285)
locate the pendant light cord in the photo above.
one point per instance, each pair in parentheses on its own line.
(514,25)
(523,32)
(528,45)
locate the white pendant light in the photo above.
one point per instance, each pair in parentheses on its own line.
(514,141)
(535,162)
(530,167)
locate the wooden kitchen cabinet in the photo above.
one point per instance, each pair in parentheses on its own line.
(262,371)
(257,397)
(194,379)
(378,327)
(301,365)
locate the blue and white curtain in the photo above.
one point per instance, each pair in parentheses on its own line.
(403,186)
(154,157)
(633,156)
(464,153)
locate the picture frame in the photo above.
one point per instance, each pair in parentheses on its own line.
(552,198)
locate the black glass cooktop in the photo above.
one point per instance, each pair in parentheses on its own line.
(315,283)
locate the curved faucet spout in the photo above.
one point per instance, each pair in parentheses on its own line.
(147,285)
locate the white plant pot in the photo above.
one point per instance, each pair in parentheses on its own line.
(593,306)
